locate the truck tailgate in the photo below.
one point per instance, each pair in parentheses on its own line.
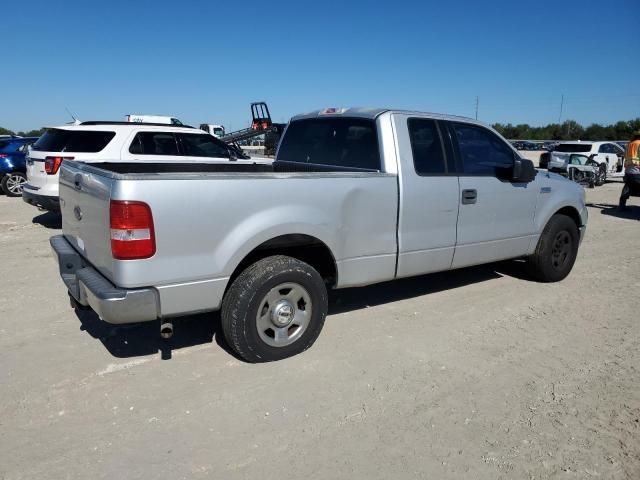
(84,203)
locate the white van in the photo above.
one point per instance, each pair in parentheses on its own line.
(212,129)
(153,119)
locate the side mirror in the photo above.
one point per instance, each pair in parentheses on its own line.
(233,155)
(523,171)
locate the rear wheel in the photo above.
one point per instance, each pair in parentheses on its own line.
(12,183)
(556,251)
(274,309)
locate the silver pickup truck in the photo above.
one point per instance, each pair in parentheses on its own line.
(354,197)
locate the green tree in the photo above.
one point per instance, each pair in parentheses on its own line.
(570,130)
(5,131)
(32,133)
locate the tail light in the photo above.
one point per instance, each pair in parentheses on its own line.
(132,233)
(52,164)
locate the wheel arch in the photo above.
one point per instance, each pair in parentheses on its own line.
(570,212)
(301,246)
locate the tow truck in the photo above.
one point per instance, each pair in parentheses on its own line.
(260,124)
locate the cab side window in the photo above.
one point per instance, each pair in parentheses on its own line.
(428,154)
(481,151)
(154,143)
(605,148)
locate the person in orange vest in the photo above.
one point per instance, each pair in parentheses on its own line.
(631,171)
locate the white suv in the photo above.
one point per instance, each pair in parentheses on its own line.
(100,142)
(608,155)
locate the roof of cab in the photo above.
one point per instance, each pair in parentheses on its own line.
(373,113)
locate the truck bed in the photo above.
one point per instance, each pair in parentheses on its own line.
(208,217)
(227,167)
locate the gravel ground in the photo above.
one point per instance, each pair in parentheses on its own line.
(477,373)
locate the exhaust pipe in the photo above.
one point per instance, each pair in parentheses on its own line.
(166,329)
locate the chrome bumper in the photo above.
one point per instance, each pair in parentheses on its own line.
(90,289)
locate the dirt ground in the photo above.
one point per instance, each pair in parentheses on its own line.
(477,373)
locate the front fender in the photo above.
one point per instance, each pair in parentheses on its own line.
(556,193)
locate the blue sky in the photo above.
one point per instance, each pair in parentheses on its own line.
(206,61)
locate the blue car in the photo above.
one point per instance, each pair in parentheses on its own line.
(12,164)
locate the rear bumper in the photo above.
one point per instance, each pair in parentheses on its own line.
(89,288)
(41,201)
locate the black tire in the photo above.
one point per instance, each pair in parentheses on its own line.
(12,184)
(556,251)
(250,293)
(603,174)
(577,176)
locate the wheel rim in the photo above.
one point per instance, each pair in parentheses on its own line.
(561,250)
(15,183)
(284,314)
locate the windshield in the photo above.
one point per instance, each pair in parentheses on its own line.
(573,147)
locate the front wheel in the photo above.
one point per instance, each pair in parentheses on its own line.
(12,183)
(274,309)
(556,251)
(602,178)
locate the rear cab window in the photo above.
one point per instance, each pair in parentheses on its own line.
(341,142)
(79,141)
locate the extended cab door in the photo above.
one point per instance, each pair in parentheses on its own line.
(496,214)
(429,196)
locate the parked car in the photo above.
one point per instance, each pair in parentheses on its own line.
(527,145)
(584,170)
(608,155)
(12,164)
(354,197)
(113,142)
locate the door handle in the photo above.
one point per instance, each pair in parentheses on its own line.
(469,196)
